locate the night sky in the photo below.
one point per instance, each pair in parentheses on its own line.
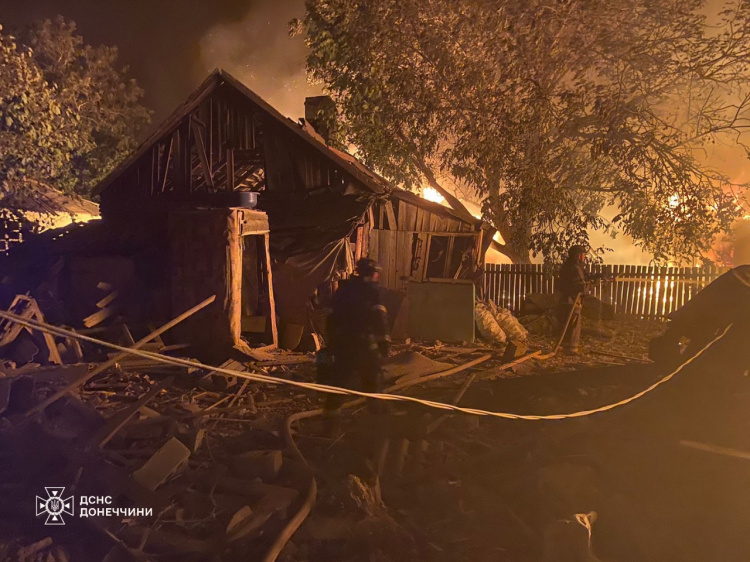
(171,45)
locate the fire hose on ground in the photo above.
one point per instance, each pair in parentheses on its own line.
(294,523)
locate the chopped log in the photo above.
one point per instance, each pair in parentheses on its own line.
(107,364)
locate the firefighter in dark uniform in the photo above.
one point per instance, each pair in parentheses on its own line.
(572,282)
(358,340)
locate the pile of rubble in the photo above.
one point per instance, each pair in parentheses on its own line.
(176,461)
(143,458)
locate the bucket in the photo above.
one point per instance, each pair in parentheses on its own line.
(248,199)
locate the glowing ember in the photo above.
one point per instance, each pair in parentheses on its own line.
(431,194)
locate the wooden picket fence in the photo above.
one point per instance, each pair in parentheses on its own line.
(639,290)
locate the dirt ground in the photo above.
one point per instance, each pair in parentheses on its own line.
(630,484)
(487,489)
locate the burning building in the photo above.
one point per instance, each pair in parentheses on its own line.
(180,223)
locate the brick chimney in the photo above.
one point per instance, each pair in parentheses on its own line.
(320,112)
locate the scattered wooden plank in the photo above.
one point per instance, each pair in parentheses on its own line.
(460,394)
(290,360)
(107,364)
(107,300)
(627,357)
(99,316)
(75,346)
(54,353)
(157,339)
(118,421)
(127,336)
(48,373)
(9,330)
(271,299)
(716,449)
(222,380)
(27,308)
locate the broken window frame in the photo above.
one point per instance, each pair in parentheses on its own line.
(446,273)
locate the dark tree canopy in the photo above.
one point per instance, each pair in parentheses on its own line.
(68,114)
(549,111)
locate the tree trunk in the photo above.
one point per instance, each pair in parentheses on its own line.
(514,253)
(515,244)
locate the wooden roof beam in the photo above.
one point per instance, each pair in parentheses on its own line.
(200,147)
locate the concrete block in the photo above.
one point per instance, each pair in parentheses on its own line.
(166,462)
(257,464)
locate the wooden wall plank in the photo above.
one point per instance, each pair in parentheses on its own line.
(392,260)
(390,213)
(403,259)
(374,244)
(271,299)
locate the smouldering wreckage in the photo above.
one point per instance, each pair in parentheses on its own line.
(180,238)
(211,455)
(176,228)
(168,459)
(98,400)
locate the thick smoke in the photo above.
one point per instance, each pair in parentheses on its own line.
(259,52)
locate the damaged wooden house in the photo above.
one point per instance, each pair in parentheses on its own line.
(228,197)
